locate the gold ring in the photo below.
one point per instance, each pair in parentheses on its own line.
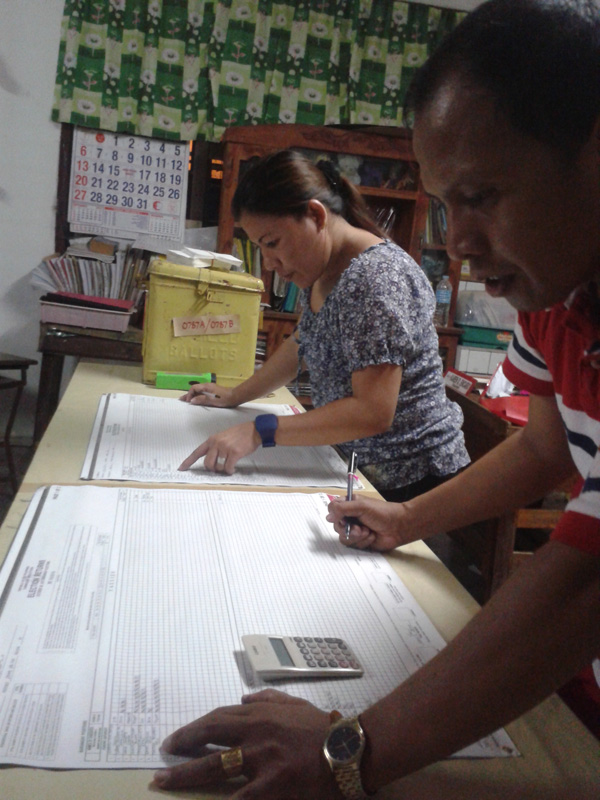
(233,762)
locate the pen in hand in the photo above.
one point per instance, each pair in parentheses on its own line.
(208,394)
(351,478)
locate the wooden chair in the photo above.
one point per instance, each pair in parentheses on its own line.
(491,543)
(543,519)
(12,363)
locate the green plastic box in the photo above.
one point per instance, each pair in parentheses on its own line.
(475,336)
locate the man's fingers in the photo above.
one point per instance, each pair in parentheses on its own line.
(222,726)
(256,789)
(339,509)
(272,696)
(357,542)
(198,772)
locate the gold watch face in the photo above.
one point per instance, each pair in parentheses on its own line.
(344,744)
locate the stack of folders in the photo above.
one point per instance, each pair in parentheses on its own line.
(189,256)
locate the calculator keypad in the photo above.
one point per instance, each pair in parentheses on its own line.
(326,652)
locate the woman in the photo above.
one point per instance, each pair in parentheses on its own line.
(365,334)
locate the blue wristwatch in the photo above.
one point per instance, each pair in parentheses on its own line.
(266,425)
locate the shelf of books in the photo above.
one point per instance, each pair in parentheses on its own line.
(278,294)
(435,259)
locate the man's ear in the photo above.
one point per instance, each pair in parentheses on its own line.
(316,211)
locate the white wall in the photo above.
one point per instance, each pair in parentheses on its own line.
(29,37)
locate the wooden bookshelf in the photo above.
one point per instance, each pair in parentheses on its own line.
(389,180)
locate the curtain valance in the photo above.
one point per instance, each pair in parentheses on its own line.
(188,69)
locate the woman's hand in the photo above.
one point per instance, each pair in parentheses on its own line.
(223,450)
(210,394)
(380,525)
(281,749)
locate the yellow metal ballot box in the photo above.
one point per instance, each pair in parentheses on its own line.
(200,320)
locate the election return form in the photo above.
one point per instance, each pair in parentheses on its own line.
(122,612)
(144,438)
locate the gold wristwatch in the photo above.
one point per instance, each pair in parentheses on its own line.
(343,749)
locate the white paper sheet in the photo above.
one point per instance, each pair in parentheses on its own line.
(122,611)
(145,438)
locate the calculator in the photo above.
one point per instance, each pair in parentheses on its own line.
(279,657)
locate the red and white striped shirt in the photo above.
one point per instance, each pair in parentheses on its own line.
(557,351)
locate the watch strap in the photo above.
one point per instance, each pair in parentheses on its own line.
(348,779)
(348,775)
(266,425)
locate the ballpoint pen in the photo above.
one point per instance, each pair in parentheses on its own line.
(208,394)
(351,478)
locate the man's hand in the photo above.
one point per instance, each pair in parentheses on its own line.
(281,740)
(381,526)
(223,450)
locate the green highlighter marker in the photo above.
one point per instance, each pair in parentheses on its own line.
(177,380)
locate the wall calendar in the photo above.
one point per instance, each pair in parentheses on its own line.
(124,186)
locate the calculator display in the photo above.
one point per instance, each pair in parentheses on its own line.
(281,652)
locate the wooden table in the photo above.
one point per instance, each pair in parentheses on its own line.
(560,760)
(57,341)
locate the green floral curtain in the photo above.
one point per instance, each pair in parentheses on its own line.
(188,69)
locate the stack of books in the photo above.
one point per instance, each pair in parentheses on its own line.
(83,311)
(96,283)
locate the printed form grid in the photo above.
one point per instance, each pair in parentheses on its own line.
(286,603)
(162,558)
(220,593)
(145,438)
(168,436)
(172,580)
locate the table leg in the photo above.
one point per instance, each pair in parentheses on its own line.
(48,392)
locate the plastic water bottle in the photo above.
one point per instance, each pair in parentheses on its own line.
(443,296)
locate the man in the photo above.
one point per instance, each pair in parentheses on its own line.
(507,133)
